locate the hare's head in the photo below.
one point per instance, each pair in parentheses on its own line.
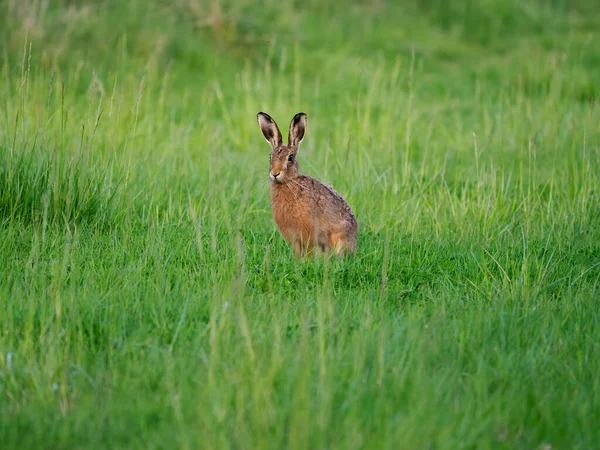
(284,166)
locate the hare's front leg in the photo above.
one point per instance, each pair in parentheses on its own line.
(298,248)
(302,248)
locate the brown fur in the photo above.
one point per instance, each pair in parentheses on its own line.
(310,215)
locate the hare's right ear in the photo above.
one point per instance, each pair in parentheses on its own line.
(297,130)
(269,130)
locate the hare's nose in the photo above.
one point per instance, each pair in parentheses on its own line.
(275,175)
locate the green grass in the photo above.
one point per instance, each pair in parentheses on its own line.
(148,301)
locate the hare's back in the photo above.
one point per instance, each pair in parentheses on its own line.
(324,199)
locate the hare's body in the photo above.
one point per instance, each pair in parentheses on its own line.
(309,214)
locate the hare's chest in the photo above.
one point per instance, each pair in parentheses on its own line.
(291,211)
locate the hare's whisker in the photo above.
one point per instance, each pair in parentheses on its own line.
(292,190)
(260,187)
(296,186)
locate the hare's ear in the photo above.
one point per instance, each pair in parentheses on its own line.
(269,130)
(297,129)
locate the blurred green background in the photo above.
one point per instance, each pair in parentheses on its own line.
(148,301)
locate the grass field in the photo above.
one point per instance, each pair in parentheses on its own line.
(148,301)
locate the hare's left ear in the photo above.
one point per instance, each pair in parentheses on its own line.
(297,129)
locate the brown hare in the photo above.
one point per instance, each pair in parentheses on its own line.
(309,214)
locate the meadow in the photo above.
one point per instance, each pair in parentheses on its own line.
(148,301)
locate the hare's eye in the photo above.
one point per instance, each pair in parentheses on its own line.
(269,158)
(291,158)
